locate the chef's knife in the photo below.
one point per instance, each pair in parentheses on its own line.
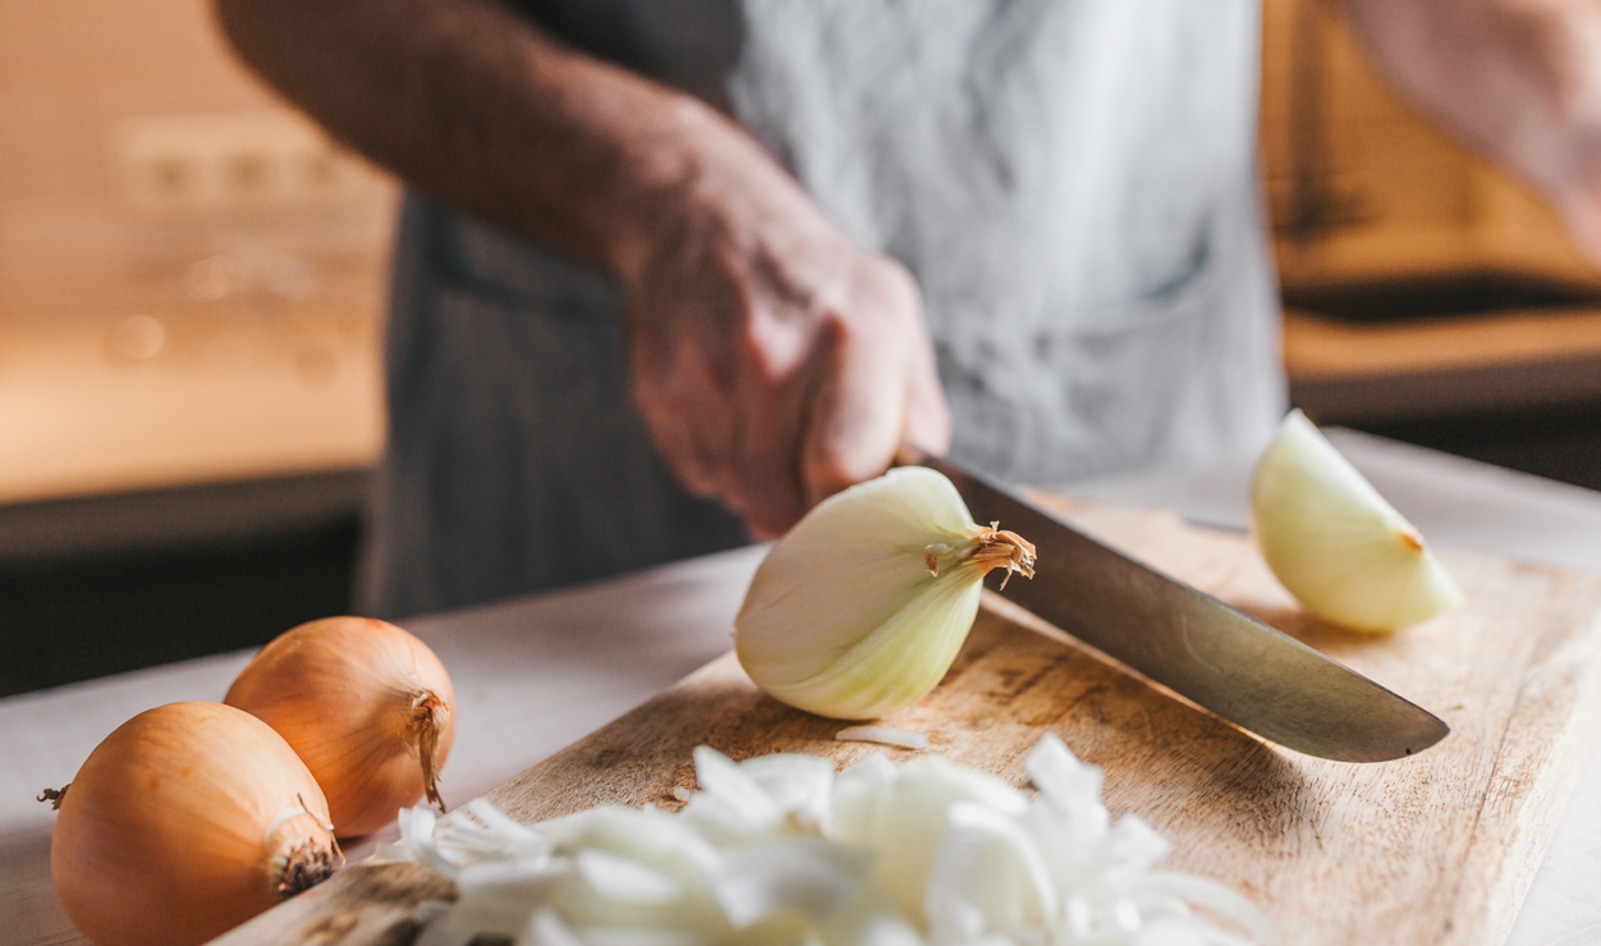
(1222,659)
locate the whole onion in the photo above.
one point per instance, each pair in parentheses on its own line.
(366,705)
(186,821)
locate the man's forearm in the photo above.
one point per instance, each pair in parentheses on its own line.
(773,360)
(489,113)
(1520,79)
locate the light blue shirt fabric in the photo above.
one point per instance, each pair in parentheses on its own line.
(1072,182)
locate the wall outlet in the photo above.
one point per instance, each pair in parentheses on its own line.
(239,163)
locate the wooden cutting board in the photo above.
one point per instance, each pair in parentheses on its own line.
(1436,848)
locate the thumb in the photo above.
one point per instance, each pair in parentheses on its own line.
(928,416)
(857,414)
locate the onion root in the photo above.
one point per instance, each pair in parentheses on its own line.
(305,866)
(430,714)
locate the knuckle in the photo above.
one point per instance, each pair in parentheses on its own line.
(760,349)
(650,400)
(829,470)
(770,349)
(897,284)
(767,524)
(840,331)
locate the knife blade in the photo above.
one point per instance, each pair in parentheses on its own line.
(1214,655)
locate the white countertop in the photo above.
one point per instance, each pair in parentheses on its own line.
(535,674)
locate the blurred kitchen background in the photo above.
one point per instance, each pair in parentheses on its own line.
(191,288)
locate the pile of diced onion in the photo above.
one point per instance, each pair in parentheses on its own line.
(781,849)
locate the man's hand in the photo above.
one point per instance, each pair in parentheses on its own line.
(774,362)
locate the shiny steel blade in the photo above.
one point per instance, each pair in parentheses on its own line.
(1258,678)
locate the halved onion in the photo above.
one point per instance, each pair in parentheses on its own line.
(1335,543)
(860,609)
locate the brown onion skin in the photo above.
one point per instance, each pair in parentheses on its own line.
(162,838)
(338,691)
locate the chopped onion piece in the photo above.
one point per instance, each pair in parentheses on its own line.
(625,879)
(1133,843)
(1060,776)
(1208,894)
(546,928)
(780,850)
(876,766)
(885,735)
(988,872)
(731,796)
(801,785)
(808,876)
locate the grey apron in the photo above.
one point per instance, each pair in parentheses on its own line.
(1072,182)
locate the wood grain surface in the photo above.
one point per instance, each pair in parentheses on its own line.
(1436,848)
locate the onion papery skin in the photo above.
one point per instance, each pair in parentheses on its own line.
(861,608)
(188,820)
(353,697)
(1335,544)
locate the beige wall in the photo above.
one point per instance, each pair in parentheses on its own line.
(77,77)
(190,276)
